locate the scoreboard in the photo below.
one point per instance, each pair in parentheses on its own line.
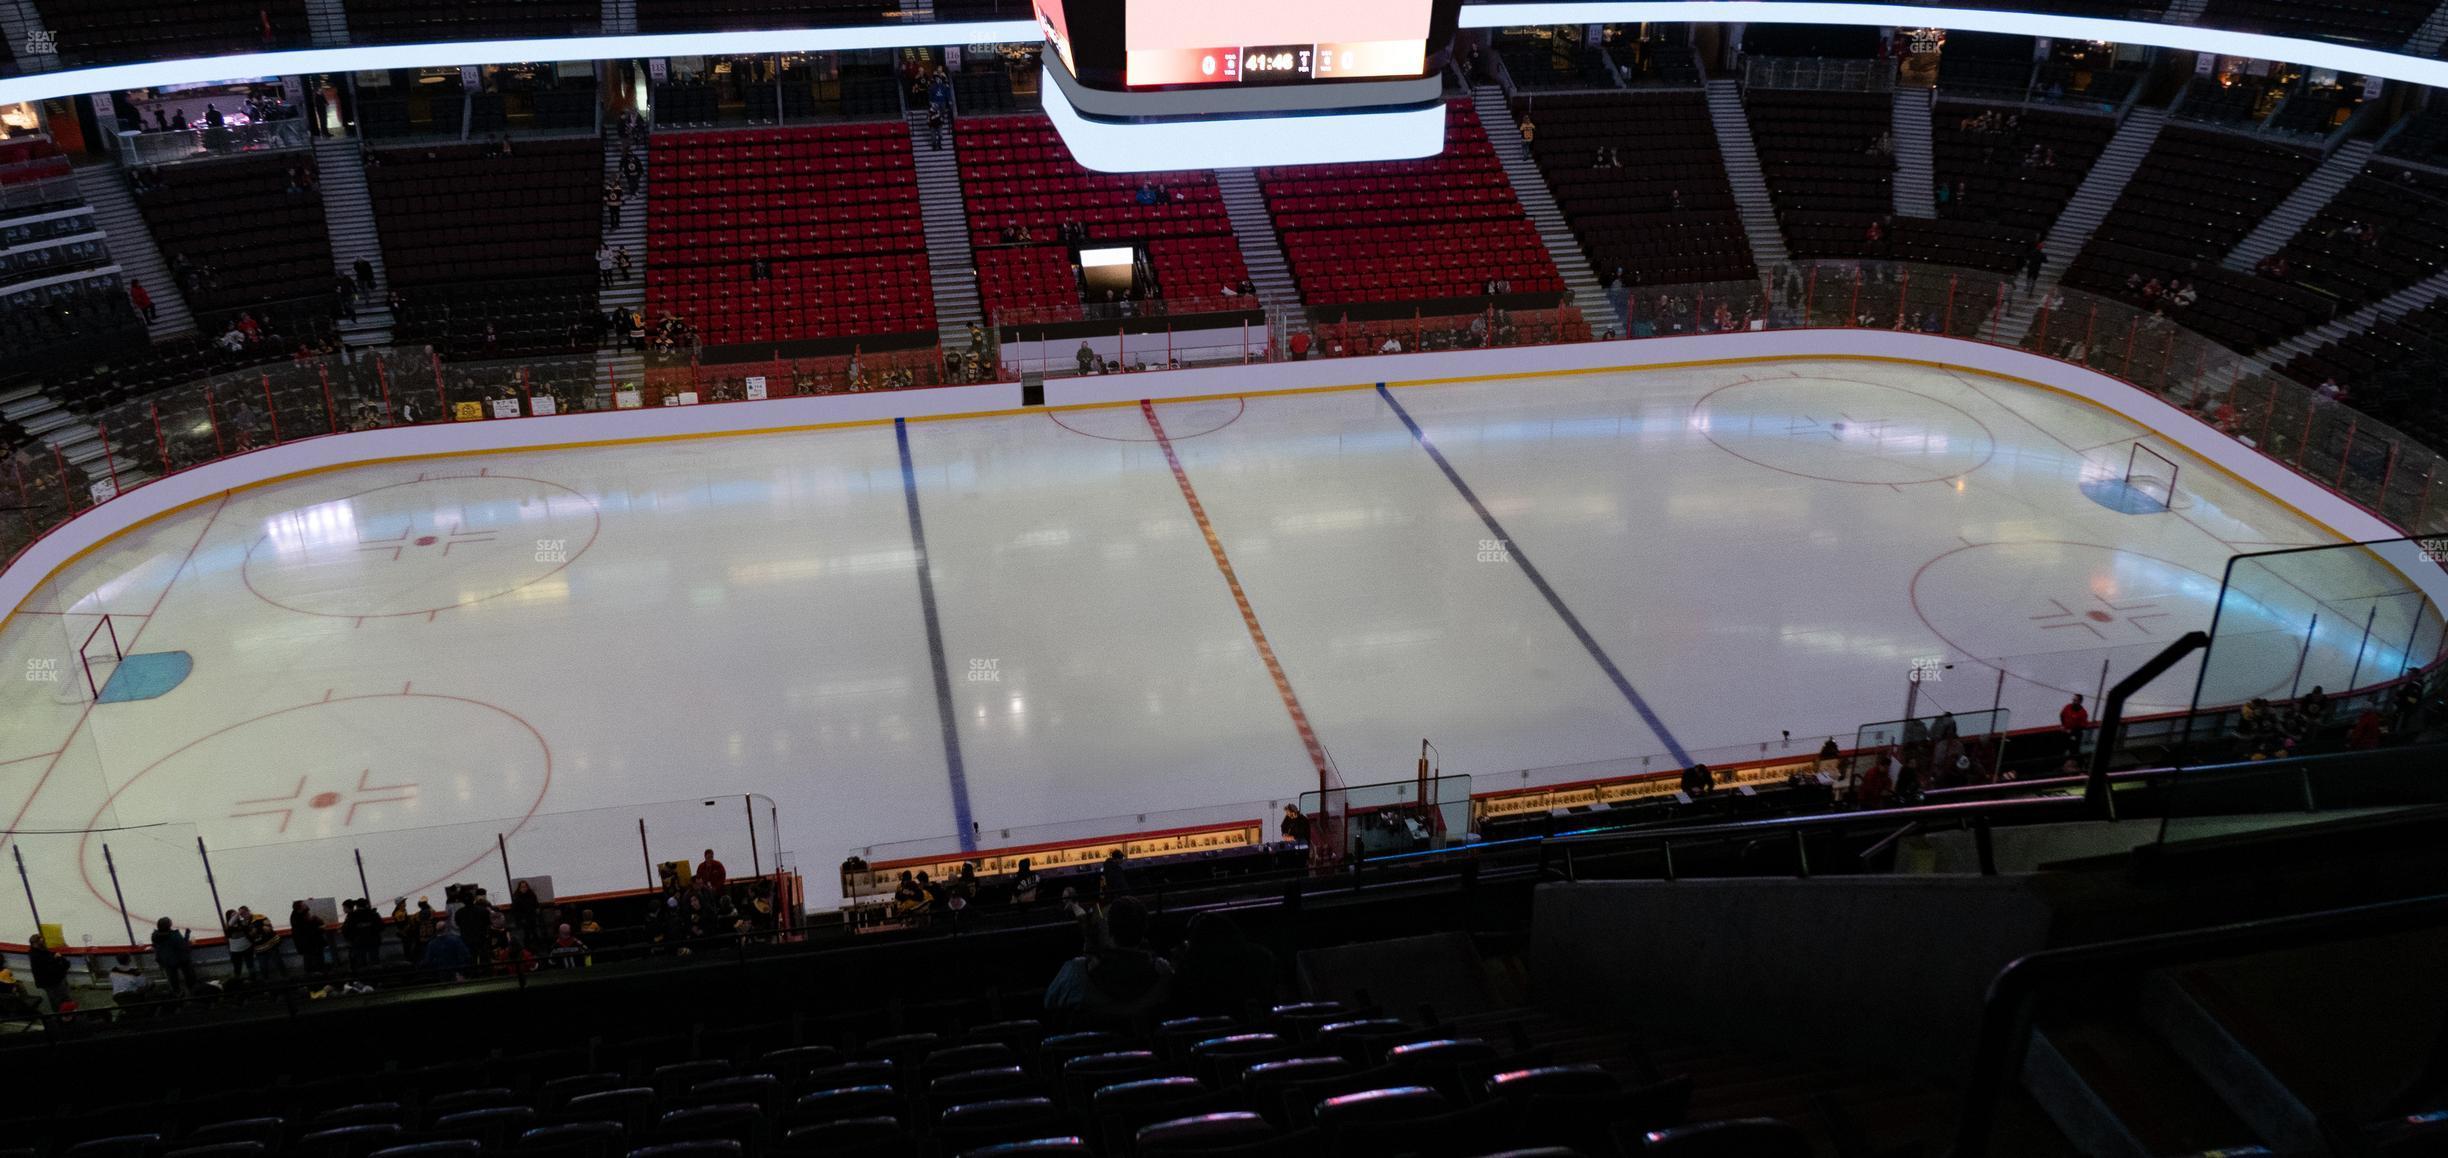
(1142,45)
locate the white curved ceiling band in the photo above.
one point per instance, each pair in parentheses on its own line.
(2344,58)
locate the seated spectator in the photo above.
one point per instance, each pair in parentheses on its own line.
(126,980)
(1217,971)
(1115,983)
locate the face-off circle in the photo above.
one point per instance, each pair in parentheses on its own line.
(1126,424)
(418,784)
(415,548)
(2049,612)
(1843,430)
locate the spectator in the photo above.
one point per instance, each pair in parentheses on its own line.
(1218,971)
(1295,826)
(1529,131)
(362,928)
(126,980)
(1025,883)
(604,265)
(2074,720)
(1115,983)
(50,972)
(1114,878)
(612,207)
(527,911)
(142,300)
(711,873)
(759,269)
(2365,734)
(1087,357)
(474,920)
(174,952)
(935,124)
(241,948)
(306,932)
(620,257)
(2407,703)
(365,275)
(267,942)
(568,952)
(447,956)
(1299,346)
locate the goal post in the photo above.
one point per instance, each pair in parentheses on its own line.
(97,657)
(2152,475)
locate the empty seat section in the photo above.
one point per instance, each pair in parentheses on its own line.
(1665,215)
(700,15)
(2385,231)
(101,31)
(472,238)
(1016,173)
(241,232)
(1826,174)
(831,209)
(1440,227)
(2383,24)
(2008,174)
(2196,195)
(425,21)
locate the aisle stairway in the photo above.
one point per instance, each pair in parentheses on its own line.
(1743,173)
(1261,250)
(2089,206)
(18,20)
(348,214)
(2183,12)
(2404,301)
(1530,186)
(2336,171)
(620,17)
(2428,39)
(105,188)
(612,362)
(327,23)
(1916,193)
(951,266)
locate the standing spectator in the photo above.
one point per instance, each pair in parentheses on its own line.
(1025,883)
(604,265)
(612,207)
(527,912)
(620,257)
(2365,734)
(362,928)
(447,956)
(267,943)
(633,170)
(1114,878)
(50,972)
(1087,357)
(414,928)
(1115,983)
(1295,826)
(1300,346)
(2032,262)
(1529,131)
(142,300)
(2408,702)
(2074,720)
(474,920)
(174,952)
(240,946)
(935,124)
(306,932)
(365,275)
(711,874)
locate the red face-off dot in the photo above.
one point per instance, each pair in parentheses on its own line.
(325,799)
(2097,616)
(426,540)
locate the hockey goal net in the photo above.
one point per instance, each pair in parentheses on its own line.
(2152,476)
(93,654)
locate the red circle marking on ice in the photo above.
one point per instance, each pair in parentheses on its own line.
(2099,616)
(325,799)
(559,560)
(86,855)
(1240,406)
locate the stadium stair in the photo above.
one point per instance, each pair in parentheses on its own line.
(2428,39)
(348,213)
(17,19)
(612,361)
(1261,250)
(2335,172)
(620,17)
(2183,11)
(131,245)
(2092,200)
(951,264)
(1571,261)
(1743,173)
(327,23)
(2404,301)
(1916,193)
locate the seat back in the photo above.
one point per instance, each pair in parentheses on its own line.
(1732,1138)
(493,1128)
(573,1140)
(1202,1133)
(349,1141)
(845,1103)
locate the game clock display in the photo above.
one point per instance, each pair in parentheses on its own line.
(1138,45)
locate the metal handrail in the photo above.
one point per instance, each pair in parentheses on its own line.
(2005,1013)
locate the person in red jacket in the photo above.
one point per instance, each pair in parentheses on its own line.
(143,301)
(710,871)
(2074,720)
(1300,346)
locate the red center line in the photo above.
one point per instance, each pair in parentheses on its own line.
(35,793)
(1249,615)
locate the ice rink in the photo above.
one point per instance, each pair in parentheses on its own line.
(403,661)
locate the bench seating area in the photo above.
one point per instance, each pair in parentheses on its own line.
(2005,206)
(237,217)
(1667,215)
(1439,227)
(833,211)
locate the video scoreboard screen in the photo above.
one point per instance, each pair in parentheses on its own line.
(1162,44)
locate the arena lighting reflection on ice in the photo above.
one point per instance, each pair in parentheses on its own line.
(2310,53)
